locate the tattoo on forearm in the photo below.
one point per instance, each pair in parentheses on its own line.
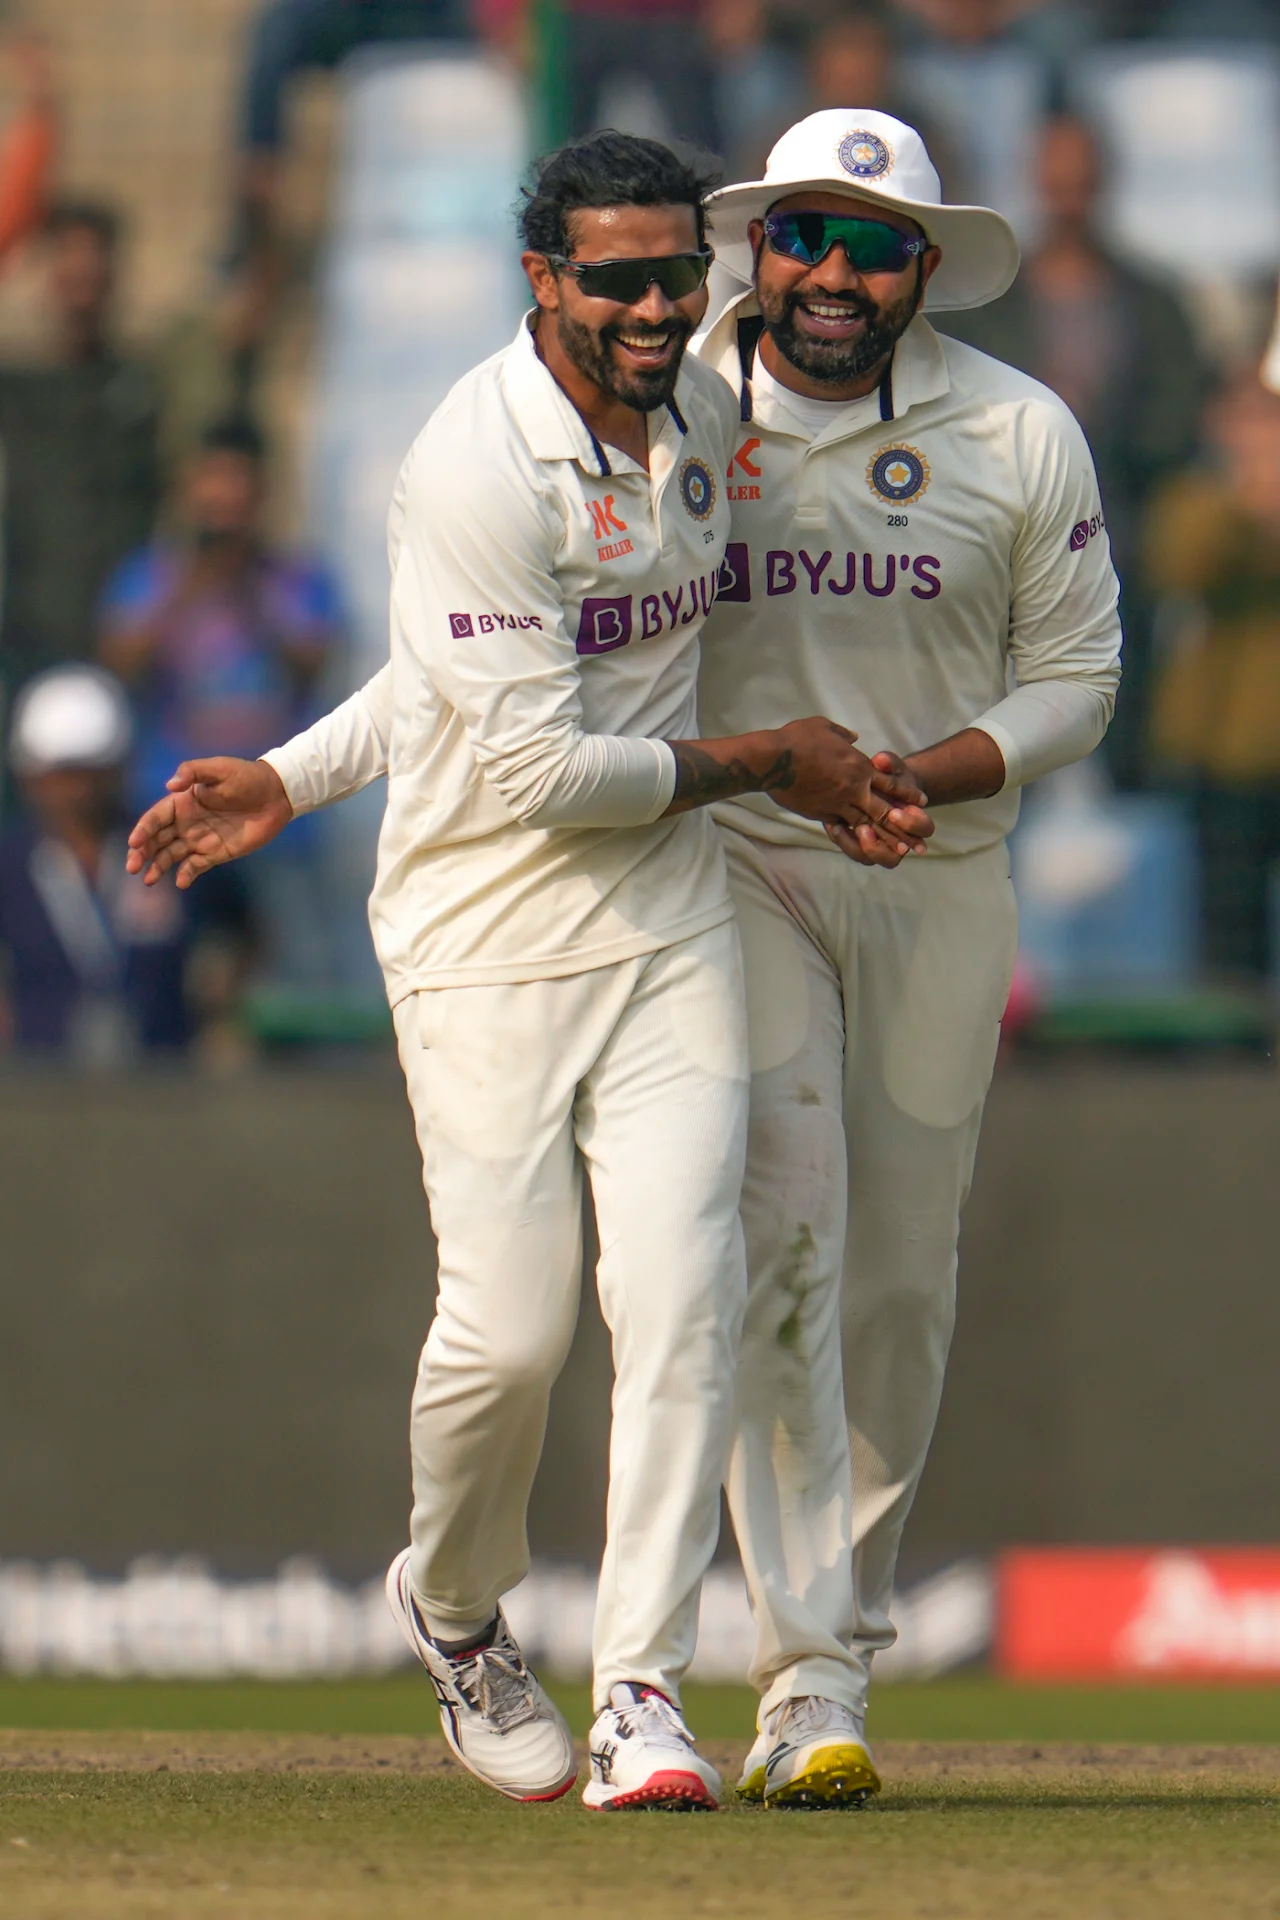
(700,777)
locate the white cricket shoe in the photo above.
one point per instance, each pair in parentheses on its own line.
(811,1753)
(494,1715)
(643,1756)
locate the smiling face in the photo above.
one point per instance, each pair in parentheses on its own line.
(631,354)
(832,324)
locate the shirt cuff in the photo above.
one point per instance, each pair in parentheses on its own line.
(298,780)
(1047,724)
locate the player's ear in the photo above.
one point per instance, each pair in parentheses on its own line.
(755,235)
(544,282)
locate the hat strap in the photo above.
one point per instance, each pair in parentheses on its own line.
(886,391)
(750,327)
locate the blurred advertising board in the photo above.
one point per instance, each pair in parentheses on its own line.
(1068,1613)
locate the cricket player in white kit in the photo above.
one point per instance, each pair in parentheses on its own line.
(553,919)
(918,549)
(922,524)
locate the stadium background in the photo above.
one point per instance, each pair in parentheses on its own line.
(216,1268)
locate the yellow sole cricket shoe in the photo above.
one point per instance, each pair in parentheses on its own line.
(751,1785)
(817,1777)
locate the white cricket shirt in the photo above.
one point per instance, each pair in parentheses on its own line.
(906,565)
(546,601)
(930,558)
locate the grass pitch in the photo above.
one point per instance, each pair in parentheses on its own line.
(278,1802)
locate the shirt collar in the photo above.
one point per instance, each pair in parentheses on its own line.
(552,425)
(919,372)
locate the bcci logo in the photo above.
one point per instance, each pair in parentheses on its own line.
(897,475)
(697,489)
(865,155)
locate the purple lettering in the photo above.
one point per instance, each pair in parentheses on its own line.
(850,576)
(890,576)
(932,586)
(707,592)
(650,617)
(604,625)
(815,568)
(693,603)
(486,623)
(780,572)
(673,606)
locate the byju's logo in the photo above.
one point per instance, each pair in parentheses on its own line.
(1083,532)
(604,625)
(461,626)
(735,573)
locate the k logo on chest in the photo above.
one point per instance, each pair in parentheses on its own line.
(607,524)
(744,472)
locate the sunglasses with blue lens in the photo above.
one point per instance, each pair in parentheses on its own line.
(871,246)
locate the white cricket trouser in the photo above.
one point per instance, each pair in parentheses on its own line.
(638,1070)
(874,1002)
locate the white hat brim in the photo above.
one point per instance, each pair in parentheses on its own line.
(980,255)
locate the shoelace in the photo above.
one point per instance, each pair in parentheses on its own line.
(495,1681)
(812,1714)
(655,1715)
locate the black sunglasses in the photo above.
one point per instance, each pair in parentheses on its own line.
(871,246)
(628,281)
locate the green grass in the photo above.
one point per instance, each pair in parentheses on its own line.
(955,1836)
(283,1846)
(966,1709)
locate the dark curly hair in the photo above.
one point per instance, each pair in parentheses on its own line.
(607,169)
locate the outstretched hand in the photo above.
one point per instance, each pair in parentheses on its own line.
(214,811)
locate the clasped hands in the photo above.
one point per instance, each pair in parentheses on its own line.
(904,828)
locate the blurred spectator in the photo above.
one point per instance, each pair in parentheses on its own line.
(1214,537)
(27,149)
(220,639)
(851,64)
(663,45)
(1052,31)
(79,440)
(759,79)
(97,965)
(987,72)
(1117,346)
(291,37)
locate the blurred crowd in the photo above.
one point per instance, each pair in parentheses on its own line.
(148,617)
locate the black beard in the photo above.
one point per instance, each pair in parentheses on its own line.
(591,355)
(838,361)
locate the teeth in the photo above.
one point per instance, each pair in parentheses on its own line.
(829,313)
(644,341)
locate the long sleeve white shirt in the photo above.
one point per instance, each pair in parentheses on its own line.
(933,558)
(546,601)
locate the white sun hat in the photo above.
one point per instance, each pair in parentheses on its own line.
(73,716)
(857,151)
